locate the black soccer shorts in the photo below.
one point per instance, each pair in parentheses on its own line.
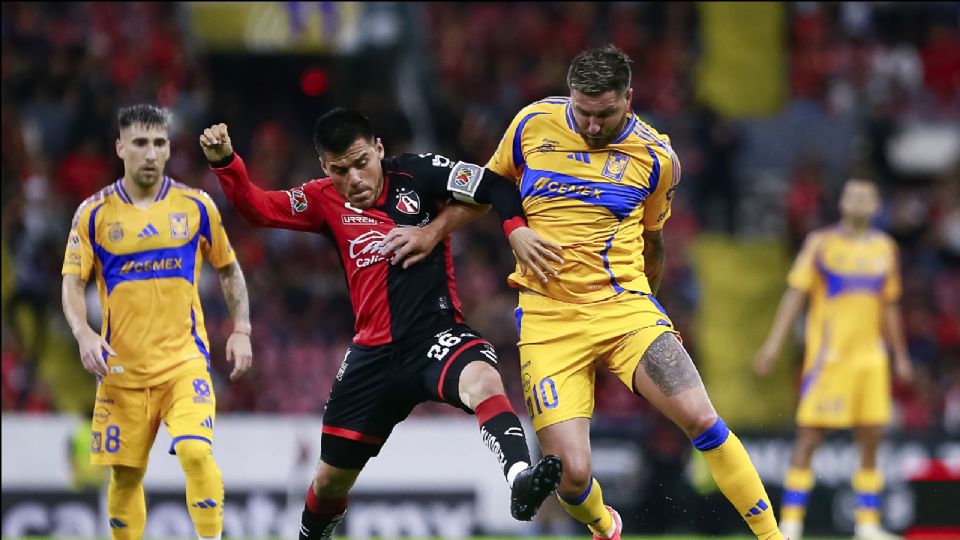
(377,387)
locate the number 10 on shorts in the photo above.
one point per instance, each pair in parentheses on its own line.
(544,397)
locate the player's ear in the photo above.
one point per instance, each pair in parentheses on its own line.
(629,97)
(119,145)
(323,165)
(379,146)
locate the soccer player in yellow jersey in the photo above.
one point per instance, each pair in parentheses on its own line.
(850,272)
(598,181)
(145,237)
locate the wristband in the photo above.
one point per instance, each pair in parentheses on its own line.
(513,224)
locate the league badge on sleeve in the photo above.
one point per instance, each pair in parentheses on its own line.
(464,180)
(179,227)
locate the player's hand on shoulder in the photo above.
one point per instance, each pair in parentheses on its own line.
(215,142)
(534,253)
(408,245)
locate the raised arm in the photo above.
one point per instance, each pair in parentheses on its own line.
(286,209)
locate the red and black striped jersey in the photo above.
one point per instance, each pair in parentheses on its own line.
(390,304)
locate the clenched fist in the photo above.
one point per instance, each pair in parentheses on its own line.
(215,142)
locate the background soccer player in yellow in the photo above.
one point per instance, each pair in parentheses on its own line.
(851,273)
(145,237)
(598,181)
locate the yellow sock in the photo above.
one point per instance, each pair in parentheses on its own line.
(733,471)
(796,488)
(588,508)
(868,483)
(204,486)
(126,504)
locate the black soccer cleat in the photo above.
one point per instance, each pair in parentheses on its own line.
(532,486)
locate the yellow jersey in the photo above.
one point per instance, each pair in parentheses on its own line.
(849,281)
(594,203)
(147,263)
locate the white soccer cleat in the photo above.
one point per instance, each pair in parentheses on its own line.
(873,531)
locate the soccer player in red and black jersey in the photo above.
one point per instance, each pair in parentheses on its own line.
(412,344)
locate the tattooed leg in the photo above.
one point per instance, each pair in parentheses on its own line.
(668,379)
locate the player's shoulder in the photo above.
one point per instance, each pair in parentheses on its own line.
(645,133)
(818,237)
(94,201)
(551,108)
(417,165)
(884,239)
(181,190)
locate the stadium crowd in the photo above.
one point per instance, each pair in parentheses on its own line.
(877,70)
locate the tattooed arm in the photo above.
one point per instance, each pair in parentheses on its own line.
(235,293)
(653,258)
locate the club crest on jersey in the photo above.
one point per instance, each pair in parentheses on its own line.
(616,165)
(179,228)
(408,202)
(115,231)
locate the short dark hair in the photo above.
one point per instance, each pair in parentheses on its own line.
(143,114)
(336,130)
(599,70)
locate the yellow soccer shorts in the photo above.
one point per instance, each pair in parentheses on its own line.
(561,343)
(125,420)
(844,394)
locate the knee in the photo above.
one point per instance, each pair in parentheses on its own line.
(699,424)
(193,455)
(330,484)
(125,477)
(479,382)
(577,474)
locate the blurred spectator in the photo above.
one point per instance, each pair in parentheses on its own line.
(67,67)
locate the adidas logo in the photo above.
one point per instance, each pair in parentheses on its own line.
(206,503)
(148,231)
(208,423)
(579,156)
(117,524)
(757,510)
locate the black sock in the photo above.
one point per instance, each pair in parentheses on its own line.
(321,516)
(502,432)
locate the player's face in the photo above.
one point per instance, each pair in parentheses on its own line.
(600,118)
(859,200)
(144,151)
(356,173)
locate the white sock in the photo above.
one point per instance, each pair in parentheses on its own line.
(516,469)
(201,537)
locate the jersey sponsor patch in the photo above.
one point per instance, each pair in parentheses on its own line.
(74,241)
(364,248)
(298,201)
(464,180)
(357,220)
